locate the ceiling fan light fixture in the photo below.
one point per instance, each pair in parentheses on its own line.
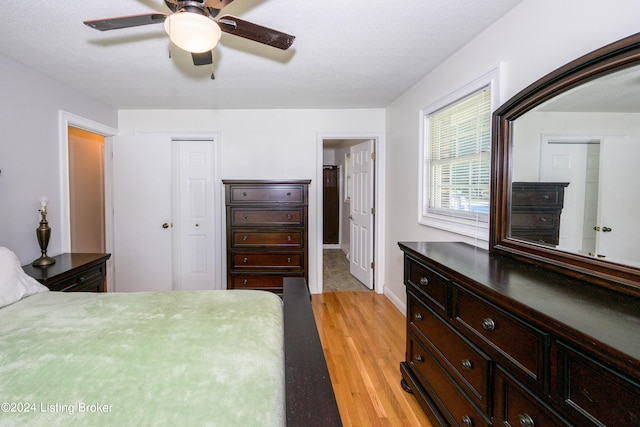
(192,31)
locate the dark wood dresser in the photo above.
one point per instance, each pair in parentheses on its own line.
(267,230)
(72,272)
(496,341)
(535,211)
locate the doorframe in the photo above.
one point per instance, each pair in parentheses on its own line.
(379,194)
(66,119)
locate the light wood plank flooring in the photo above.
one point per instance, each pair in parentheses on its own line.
(363,337)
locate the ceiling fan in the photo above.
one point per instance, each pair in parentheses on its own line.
(194,26)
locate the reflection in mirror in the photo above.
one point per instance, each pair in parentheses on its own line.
(576,171)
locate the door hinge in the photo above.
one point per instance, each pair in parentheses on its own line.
(373,265)
(373,155)
(373,211)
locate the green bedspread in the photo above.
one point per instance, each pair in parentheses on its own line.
(143,359)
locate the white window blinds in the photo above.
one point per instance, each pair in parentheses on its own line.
(458,158)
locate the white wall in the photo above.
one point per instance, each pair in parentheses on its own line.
(532,40)
(29,158)
(265,144)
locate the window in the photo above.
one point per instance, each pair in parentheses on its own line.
(456,160)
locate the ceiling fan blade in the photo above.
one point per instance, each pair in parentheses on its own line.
(126,21)
(204,58)
(248,30)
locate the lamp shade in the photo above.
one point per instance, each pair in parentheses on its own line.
(192,32)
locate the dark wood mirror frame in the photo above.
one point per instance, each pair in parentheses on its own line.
(611,58)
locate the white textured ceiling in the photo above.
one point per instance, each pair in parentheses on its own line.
(347,54)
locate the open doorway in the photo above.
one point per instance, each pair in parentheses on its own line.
(67,121)
(86,191)
(349,263)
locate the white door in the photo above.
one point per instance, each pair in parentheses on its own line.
(142,213)
(567,161)
(361,212)
(619,201)
(194,226)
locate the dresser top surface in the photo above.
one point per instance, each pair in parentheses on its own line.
(608,317)
(65,263)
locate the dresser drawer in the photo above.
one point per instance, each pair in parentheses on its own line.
(266,217)
(267,260)
(290,193)
(528,196)
(433,285)
(519,342)
(516,406)
(463,361)
(259,281)
(91,280)
(545,237)
(452,402)
(592,391)
(251,238)
(538,220)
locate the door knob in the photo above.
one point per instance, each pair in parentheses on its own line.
(606,229)
(165,225)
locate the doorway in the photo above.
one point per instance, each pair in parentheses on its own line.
(86,191)
(67,121)
(336,151)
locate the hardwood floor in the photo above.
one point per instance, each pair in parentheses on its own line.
(363,337)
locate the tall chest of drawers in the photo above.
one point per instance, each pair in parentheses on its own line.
(535,211)
(267,232)
(495,341)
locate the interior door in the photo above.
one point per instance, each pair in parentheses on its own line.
(195,230)
(619,201)
(142,213)
(568,161)
(361,212)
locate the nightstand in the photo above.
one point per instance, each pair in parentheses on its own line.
(72,272)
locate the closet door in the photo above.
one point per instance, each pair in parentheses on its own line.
(142,213)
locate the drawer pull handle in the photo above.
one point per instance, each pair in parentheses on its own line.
(244,216)
(424,281)
(467,421)
(466,365)
(288,193)
(244,193)
(418,316)
(244,237)
(546,197)
(245,260)
(245,281)
(289,216)
(525,420)
(542,219)
(419,358)
(289,260)
(288,238)
(488,324)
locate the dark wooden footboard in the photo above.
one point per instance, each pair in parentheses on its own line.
(309,396)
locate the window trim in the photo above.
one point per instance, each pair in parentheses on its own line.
(467,227)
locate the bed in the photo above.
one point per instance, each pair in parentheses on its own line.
(217,358)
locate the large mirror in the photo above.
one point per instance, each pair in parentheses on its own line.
(566,169)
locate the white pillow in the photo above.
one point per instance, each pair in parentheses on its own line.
(15,284)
